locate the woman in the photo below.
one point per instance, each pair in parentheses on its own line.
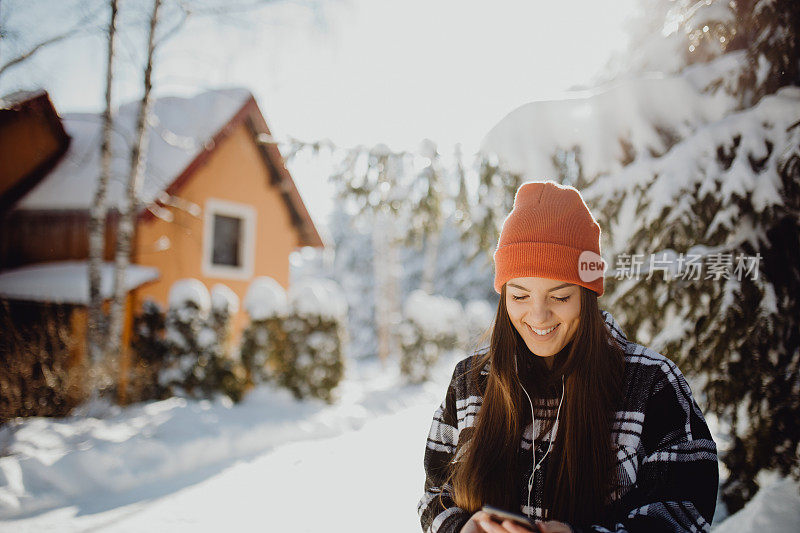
(562,418)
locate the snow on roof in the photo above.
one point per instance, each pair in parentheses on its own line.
(11,100)
(178,130)
(637,110)
(66,282)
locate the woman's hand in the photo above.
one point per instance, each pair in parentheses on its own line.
(481,522)
(474,524)
(554,526)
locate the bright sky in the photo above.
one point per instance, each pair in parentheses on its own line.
(360,71)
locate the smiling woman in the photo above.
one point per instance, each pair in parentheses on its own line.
(563,418)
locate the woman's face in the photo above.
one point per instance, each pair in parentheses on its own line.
(545,312)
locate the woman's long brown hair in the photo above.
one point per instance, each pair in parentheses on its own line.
(580,476)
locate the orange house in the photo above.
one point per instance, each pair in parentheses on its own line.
(216,203)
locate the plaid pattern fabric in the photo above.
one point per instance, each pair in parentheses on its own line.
(666,459)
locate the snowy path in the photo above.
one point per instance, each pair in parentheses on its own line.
(350,482)
(268,464)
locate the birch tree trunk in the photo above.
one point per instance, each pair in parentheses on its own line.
(431,258)
(387,272)
(126,227)
(386,264)
(379,264)
(99,210)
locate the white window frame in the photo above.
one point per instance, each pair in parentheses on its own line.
(247,213)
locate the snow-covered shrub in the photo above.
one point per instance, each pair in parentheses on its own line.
(196,362)
(266,305)
(265,298)
(224,305)
(150,348)
(316,333)
(431,325)
(296,340)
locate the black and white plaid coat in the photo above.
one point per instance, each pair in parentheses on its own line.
(666,459)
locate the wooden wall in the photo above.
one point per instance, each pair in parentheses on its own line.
(28,237)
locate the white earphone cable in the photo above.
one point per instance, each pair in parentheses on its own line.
(533,437)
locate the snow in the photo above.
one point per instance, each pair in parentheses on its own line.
(10,101)
(427,149)
(480,315)
(721,73)
(188,465)
(178,130)
(67,282)
(676,326)
(709,12)
(318,297)
(637,111)
(97,459)
(694,162)
(269,492)
(764,67)
(775,508)
(206,338)
(189,290)
(434,315)
(265,298)
(223,298)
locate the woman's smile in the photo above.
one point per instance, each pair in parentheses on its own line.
(544,333)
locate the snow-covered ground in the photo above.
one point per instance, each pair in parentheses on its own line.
(270,459)
(351,482)
(268,464)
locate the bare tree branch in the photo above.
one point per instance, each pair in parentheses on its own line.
(231,7)
(167,35)
(79,27)
(22,57)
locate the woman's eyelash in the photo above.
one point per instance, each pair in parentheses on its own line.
(556,298)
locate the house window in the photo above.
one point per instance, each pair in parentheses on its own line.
(228,239)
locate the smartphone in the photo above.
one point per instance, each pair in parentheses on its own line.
(499,515)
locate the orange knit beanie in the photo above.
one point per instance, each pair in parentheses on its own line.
(549,233)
